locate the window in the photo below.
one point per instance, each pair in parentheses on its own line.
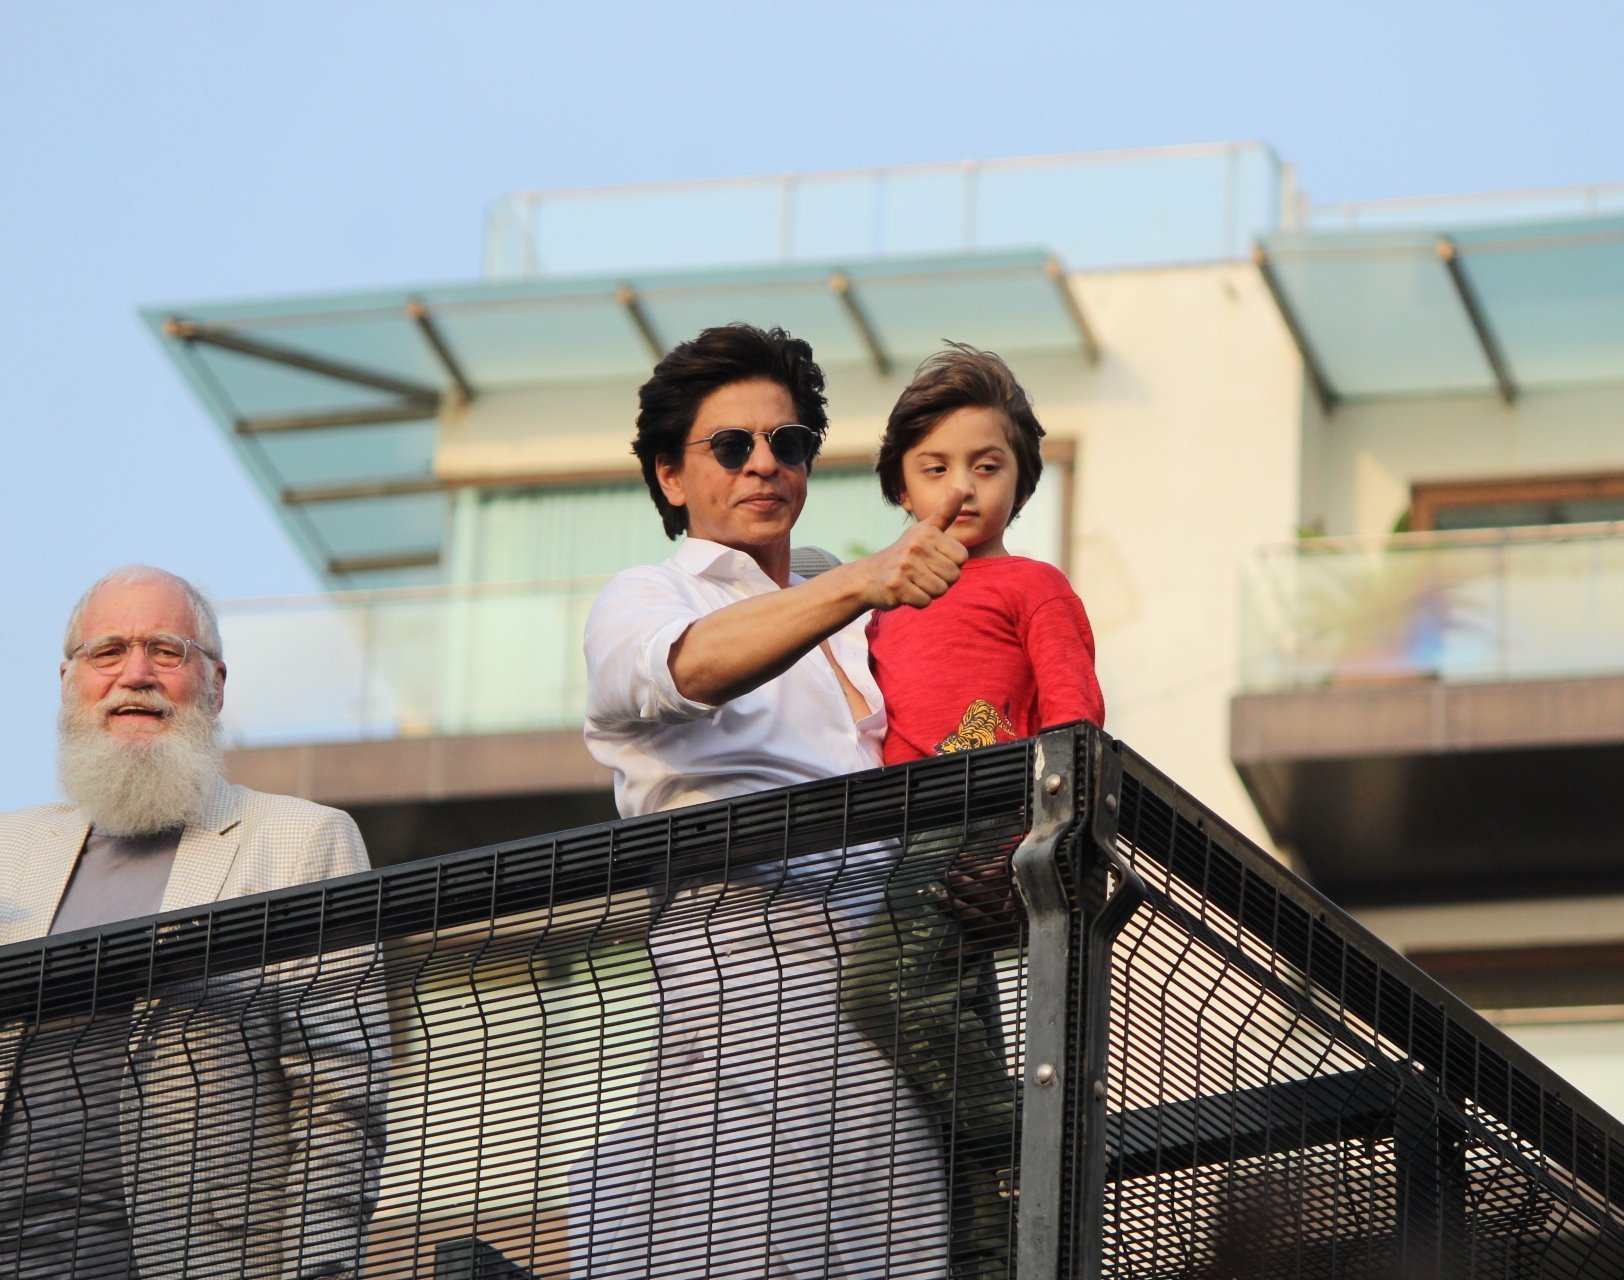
(1511,503)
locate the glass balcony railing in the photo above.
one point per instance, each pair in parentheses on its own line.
(485,658)
(1530,205)
(1478,605)
(1094,210)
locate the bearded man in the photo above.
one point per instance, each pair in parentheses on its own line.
(232,1127)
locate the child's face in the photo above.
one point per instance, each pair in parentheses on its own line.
(969,450)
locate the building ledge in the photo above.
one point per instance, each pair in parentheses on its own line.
(417,797)
(446,767)
(1418,791)
(1425,715)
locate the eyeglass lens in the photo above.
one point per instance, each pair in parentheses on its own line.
(164,652)
(791,445)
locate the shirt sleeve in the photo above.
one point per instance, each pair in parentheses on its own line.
(629,633)
(1060,646)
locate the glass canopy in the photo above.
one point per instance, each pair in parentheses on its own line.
(332,402)
(1501,308)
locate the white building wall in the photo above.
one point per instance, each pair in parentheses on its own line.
(1368,455)
(1190,431)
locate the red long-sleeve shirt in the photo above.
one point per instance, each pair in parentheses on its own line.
(1007,652)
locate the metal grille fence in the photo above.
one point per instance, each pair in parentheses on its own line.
(802,1033)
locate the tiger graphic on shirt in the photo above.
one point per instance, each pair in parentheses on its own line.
(979,728)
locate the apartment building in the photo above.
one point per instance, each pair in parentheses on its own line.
(1340,486)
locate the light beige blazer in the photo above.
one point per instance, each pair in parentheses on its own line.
(252,1116)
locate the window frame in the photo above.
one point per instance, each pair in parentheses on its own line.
(1429,498)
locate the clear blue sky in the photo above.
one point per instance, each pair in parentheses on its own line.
(158,150)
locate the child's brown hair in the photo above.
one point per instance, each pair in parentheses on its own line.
(961,377)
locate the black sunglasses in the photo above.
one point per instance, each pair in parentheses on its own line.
(792,444)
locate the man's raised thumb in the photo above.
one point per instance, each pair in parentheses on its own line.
(948,512)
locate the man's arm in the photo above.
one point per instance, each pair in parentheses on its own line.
(734,650)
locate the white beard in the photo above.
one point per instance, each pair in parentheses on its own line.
(133,788)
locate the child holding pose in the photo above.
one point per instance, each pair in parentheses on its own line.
(1008,650)
(1005,653)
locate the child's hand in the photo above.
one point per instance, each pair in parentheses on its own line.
(981,894)
(920,565)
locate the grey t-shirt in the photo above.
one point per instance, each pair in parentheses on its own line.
(117,878)
(61,1177)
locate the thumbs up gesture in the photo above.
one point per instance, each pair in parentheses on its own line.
(944,516)
(920,565)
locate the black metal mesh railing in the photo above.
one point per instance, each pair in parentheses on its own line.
(803,1033)
(1287,1097)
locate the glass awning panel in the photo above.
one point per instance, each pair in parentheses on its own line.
(798,299)
(402,526)
(1504,308)
(255,387)
(1382,318)
(915,312)
(1556,295)
(333,402)
(349,455)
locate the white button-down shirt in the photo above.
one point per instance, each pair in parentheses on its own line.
(818,1189)
(667,750)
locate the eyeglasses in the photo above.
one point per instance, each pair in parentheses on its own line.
(792,444)
(165,652)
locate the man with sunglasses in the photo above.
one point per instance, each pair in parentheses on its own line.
(218,1129)
(715,674)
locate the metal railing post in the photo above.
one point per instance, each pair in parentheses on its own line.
(1430,1196)
(1068,1004)
(1048,951)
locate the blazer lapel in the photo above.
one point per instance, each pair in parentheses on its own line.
(43,875)
(207,851)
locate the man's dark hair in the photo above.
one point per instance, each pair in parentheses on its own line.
(669,401)
(960,378)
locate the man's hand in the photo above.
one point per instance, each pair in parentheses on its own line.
(739,648)
(920,565)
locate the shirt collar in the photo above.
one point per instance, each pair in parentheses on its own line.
(706,559)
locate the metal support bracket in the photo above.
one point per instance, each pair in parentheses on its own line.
(1048,949)
(418,312)
(1430,1163)
(840,286)
(1324,392)
(1068,999)
(1449,255)
(190,331)
(637,313)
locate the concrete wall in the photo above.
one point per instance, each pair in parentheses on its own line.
(1366,456)
(1189,445)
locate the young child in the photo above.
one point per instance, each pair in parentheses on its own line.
(1008,650)
(1006,653)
